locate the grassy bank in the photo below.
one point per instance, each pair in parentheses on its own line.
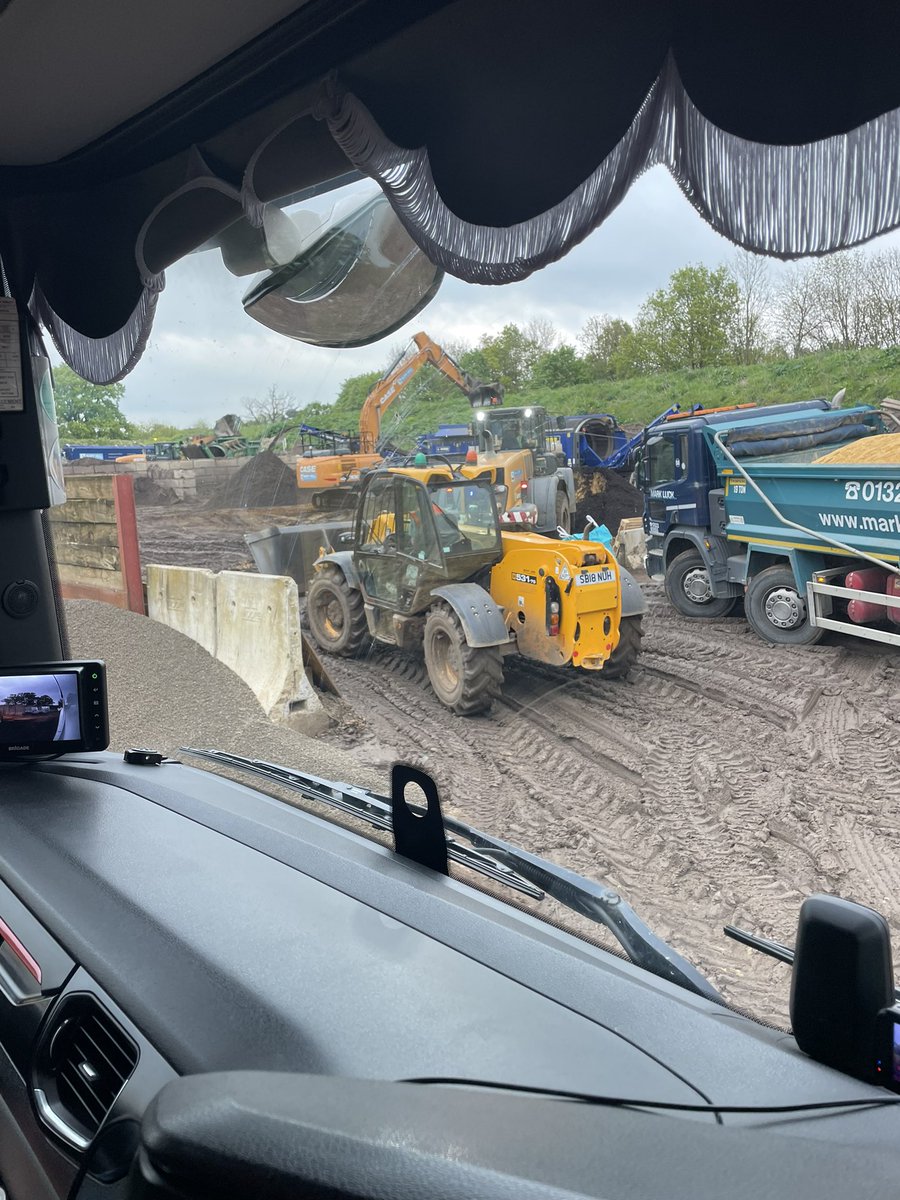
(868,376)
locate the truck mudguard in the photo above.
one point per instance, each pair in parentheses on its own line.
(481,619)
(634,602)
(344,560)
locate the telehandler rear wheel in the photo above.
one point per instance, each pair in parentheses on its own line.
(336,615)
(465,678)
(625,655)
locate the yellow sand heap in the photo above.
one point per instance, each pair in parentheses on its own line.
(882,449)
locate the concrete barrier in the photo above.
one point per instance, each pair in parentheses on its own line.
(249,622)
(185,598)
(630,543)
(258,636)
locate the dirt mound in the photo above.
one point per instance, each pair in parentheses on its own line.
(608,497)
(263,482)
(148,491)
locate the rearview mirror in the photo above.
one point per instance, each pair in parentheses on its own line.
(349,285)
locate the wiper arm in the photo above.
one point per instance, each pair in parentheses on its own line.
(776,950)
(503,862)
(357,802)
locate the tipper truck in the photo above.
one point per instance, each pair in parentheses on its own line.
(737,503)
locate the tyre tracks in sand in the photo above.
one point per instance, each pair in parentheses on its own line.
(723,782)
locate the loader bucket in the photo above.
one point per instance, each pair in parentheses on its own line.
(293,549)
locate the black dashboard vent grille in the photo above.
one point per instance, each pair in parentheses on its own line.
(90,1058)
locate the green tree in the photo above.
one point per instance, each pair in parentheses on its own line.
(507,358)
(89,411)
(691,323)
(351,397)
(559,368)
(602,340)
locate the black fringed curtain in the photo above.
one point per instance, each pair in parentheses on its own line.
(502,133)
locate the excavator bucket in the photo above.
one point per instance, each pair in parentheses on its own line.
(485,395)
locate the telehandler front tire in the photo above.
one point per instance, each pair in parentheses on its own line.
(336,615)
(466,679)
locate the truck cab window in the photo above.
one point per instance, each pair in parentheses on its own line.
(666,460)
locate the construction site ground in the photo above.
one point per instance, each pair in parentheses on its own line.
(722,783)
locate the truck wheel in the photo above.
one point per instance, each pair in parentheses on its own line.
(336,614)
(625,655)
(465,678)
(689,588)
(563,512)
(777,611)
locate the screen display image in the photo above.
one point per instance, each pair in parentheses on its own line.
(39,708)
(896,1056)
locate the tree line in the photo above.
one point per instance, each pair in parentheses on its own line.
(741,312)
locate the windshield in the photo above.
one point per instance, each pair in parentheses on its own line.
(629,685)
(517,430)
(465,509)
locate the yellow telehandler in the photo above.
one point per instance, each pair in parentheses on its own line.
(428,568)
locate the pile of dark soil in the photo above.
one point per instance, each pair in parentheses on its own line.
(148,491)
(263,482)
(608,497)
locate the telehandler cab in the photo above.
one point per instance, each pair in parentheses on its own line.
(431,571)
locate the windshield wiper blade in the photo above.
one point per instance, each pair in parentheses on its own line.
(375,810)
(504,862)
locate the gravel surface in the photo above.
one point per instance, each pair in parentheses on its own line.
(165,691)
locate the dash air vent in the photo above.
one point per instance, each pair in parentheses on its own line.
(85,1059)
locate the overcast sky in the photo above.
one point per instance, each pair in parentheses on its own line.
(206,355)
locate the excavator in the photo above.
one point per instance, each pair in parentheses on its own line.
(429,567)
(330,481)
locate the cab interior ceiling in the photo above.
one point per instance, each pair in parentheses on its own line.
(203,117)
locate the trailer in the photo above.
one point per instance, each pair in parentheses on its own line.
(74,453)
(737,505)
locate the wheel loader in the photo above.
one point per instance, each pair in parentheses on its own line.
(429,569)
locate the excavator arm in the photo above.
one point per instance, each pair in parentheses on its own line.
(421,351)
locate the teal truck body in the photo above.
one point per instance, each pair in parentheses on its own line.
(735,507)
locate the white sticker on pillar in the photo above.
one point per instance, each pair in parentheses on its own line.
(12,398)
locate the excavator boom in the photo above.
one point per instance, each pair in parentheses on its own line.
(331,481)
(421,351)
